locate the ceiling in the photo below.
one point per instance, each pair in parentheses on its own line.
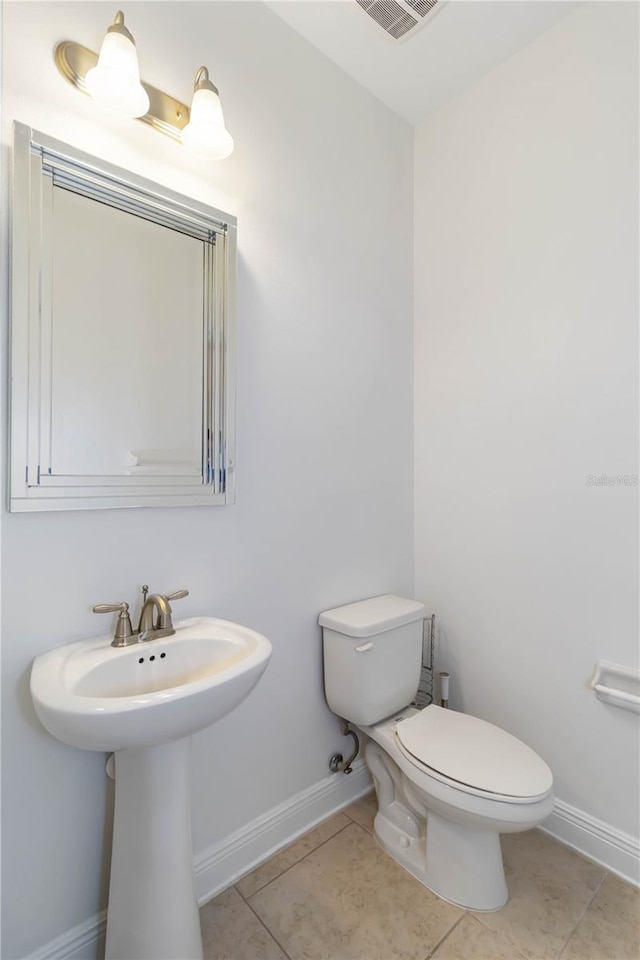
(458,45)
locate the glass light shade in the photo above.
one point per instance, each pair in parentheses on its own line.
(205,134)
(115,80)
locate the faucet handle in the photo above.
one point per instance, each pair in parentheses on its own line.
(124,634)
(178,595)
(110,607)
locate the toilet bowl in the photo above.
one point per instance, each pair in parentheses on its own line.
(444,831)
(447,784)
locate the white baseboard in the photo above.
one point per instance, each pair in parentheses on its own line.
(80,943)
(616,851)
(225,862)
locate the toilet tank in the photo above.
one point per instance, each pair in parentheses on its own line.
(372,657)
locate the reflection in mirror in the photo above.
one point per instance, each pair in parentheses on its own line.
(104,293)
(122,337)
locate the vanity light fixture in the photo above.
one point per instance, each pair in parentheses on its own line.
(113,79)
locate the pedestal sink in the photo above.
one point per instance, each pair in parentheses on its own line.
(143,702)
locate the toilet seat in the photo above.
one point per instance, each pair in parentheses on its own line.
(473,755)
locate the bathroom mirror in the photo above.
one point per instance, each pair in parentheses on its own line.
(122,337)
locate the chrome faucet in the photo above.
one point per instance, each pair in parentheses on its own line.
(155,618)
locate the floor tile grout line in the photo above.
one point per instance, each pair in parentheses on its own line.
(450,931)
(291,866)
(370,830)
(583,914)
(288,847)
(505,933)
(478,916)
(263,924)
(344,811)
(518,953)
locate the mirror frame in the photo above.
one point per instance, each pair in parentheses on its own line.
(39,162)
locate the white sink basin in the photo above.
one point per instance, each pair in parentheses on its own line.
(98,697)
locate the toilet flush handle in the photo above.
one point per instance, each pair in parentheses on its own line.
(364,647)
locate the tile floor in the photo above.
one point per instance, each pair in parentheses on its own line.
(334,895)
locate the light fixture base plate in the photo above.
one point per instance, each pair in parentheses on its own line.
(165,114)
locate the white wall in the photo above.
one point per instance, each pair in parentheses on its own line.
(526,352)
(321,182)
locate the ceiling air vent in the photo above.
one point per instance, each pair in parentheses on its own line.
(399,18)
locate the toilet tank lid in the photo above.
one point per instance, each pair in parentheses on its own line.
(375,615)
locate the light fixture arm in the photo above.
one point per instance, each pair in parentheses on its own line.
(118,27)
(202,81)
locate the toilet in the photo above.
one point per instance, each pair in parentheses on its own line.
(447,784)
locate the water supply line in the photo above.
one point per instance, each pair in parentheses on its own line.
(337,763)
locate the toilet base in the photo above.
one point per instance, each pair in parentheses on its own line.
(460,863)
(462,866)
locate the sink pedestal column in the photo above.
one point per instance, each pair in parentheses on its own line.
(153,910)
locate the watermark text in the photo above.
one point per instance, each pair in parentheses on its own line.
(611,479)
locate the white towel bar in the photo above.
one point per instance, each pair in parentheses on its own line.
(622,686)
